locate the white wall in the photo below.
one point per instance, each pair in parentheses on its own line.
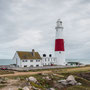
(60,55)
(17,59)
(20,63)
(29,63)
(48,60)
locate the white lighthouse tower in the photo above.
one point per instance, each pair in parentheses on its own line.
(59,44)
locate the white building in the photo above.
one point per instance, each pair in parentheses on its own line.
(27,59)
(59,44)
(48,61)
(33,59)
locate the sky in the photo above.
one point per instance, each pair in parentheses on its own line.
(30,24)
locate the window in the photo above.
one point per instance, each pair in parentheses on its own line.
(24,60)
(31,60)
(25,65)
(45,59)
(51,59)
(37,60)
(37,65)
(60,52)
(31,66)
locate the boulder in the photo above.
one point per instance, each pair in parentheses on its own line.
(34,88)
(64,82)
(48,78)
(71,80)
(79,83)
(51,89)
(32,79)
(59,86)
(2,80)
(25,88)
(45,74)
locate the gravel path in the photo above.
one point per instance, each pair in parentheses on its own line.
(24,73)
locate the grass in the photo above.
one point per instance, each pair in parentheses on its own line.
(78,88)
(83,81)
(56,74)
(1,86)
(37,86)
(6,72)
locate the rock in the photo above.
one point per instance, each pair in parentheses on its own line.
(58,85)
(71,80)
(51,89)
(25,88)
(32,79)
(44,74)
(2,80)
(34,88)
(64,82)
(48,78)
(79,84)
(27,79)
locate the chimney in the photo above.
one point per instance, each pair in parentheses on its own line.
(33,52)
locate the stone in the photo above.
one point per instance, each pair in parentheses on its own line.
(25,88)
(34,88)
(51,89)
(45,74)
(47,78)
(71,80)
(79,84)
(59,86)
(32,79)
(2,80)
(64,82)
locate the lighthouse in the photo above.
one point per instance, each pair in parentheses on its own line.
(59,44)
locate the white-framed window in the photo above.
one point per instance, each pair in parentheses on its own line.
(24,60)
(25,65)
(37,60)
(37,65)
(31,60)
(45,60)
(31,66)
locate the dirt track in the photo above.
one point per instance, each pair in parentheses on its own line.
(24,73)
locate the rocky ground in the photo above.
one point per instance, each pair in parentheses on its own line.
(56,79)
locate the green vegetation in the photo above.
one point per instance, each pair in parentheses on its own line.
(20,89)
(6,72)
(78,88)
(36,85)
(1,86)
(55,75)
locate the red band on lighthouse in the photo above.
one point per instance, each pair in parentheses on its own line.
(59,45)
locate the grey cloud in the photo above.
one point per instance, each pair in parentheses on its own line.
(21,20)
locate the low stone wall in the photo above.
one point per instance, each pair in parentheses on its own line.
(36,68)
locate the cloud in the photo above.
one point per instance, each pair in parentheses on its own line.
(28,24)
